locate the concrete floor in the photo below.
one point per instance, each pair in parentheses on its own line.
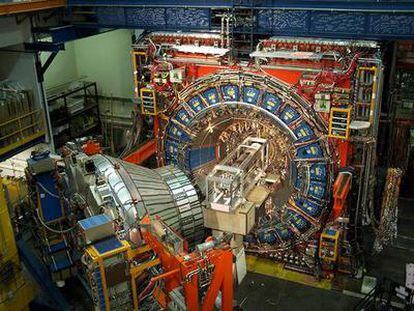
(260,292)
(391,261)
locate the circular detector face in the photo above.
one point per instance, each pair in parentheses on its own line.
(212,116)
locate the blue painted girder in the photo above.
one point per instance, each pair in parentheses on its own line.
(362,5)
(59,35)
(339,19)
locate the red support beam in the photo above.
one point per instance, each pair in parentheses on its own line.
(341,189)
(144,152)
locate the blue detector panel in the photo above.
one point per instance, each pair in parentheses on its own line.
(230,92)
(304,132)
(268,236)
(309,207)
(211,96)
(316,189)
(94,221)
(250,94)
(288,115)
(54,248)
(175,132)
(183,117)
(297,221)
(318,172)
(107,245)
(196,104)
(271,103)
(60,262)
(98,278)
(171,152)
(298,182)
(198,156)
(49,197)
(309,151)
(283,232)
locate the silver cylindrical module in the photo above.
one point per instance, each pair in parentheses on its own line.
(205,246)
(130,191)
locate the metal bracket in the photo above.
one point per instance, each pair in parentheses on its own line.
(48,62)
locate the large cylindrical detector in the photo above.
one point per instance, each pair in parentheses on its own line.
(127,192)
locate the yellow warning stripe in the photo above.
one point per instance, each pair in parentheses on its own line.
(275,269)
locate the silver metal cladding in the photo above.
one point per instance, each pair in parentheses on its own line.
(135,191)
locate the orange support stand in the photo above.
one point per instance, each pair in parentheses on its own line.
(341,189)
(221,280)
(344,150)
(183,269)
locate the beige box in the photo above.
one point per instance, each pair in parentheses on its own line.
(240,221)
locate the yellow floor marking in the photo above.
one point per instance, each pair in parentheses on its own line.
(275,269)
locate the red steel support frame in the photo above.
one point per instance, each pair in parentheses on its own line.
(180,270)
(341,188)
(146,150)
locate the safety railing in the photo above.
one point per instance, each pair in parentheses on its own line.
(20,130)
(386,296)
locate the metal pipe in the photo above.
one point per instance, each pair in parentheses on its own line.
(45,107)
(228,31)
(222,31)
(206,246)
(164,275)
